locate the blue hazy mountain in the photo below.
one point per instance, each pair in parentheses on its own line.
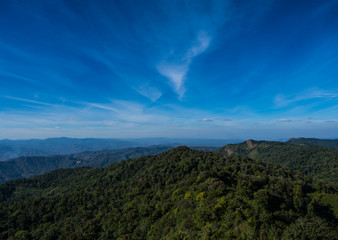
(24,167)
(10,149)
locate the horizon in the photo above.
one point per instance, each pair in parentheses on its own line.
(169,69)
(174,139)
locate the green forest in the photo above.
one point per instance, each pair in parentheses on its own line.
(178,194)
(331,143)
(313,157)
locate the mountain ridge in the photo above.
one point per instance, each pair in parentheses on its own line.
(24,167)
(332,143)
(313,160)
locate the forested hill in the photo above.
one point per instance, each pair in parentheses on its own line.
(316,161)
(24,167)
(178,194)
(332,143)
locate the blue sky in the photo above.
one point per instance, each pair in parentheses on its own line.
(260,69)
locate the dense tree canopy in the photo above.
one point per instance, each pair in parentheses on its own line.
(316,161)
(179,194)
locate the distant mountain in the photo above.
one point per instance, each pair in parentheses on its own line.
(24,167)
(332,143)
(178,194)
(60,146)
(312,160)
(190,142)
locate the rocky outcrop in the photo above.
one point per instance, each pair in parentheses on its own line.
(250,144)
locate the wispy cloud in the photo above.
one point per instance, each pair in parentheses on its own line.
(205,120)
(29,101)
(176,71)
(17,76)
(101,106)
(151,93)
(284,100)
(200,45)
(126,112)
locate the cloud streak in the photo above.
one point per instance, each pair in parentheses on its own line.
(29,101)
(100,106)
(282,100)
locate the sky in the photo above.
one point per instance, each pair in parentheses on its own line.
(261,69)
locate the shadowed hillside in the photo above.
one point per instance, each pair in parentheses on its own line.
(24,167)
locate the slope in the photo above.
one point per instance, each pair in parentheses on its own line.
(321,162)
(332,143)
(179,194)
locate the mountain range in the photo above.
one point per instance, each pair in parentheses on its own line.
(299,154)
(24,167)
(10,149)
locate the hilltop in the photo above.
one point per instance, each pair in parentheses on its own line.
(332,143)
(310,159)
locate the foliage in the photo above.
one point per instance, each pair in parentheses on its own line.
(331,143)
(315,161)
(179,194)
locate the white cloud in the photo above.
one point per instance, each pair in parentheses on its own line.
(205,120)
(149,92)
(176,72)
